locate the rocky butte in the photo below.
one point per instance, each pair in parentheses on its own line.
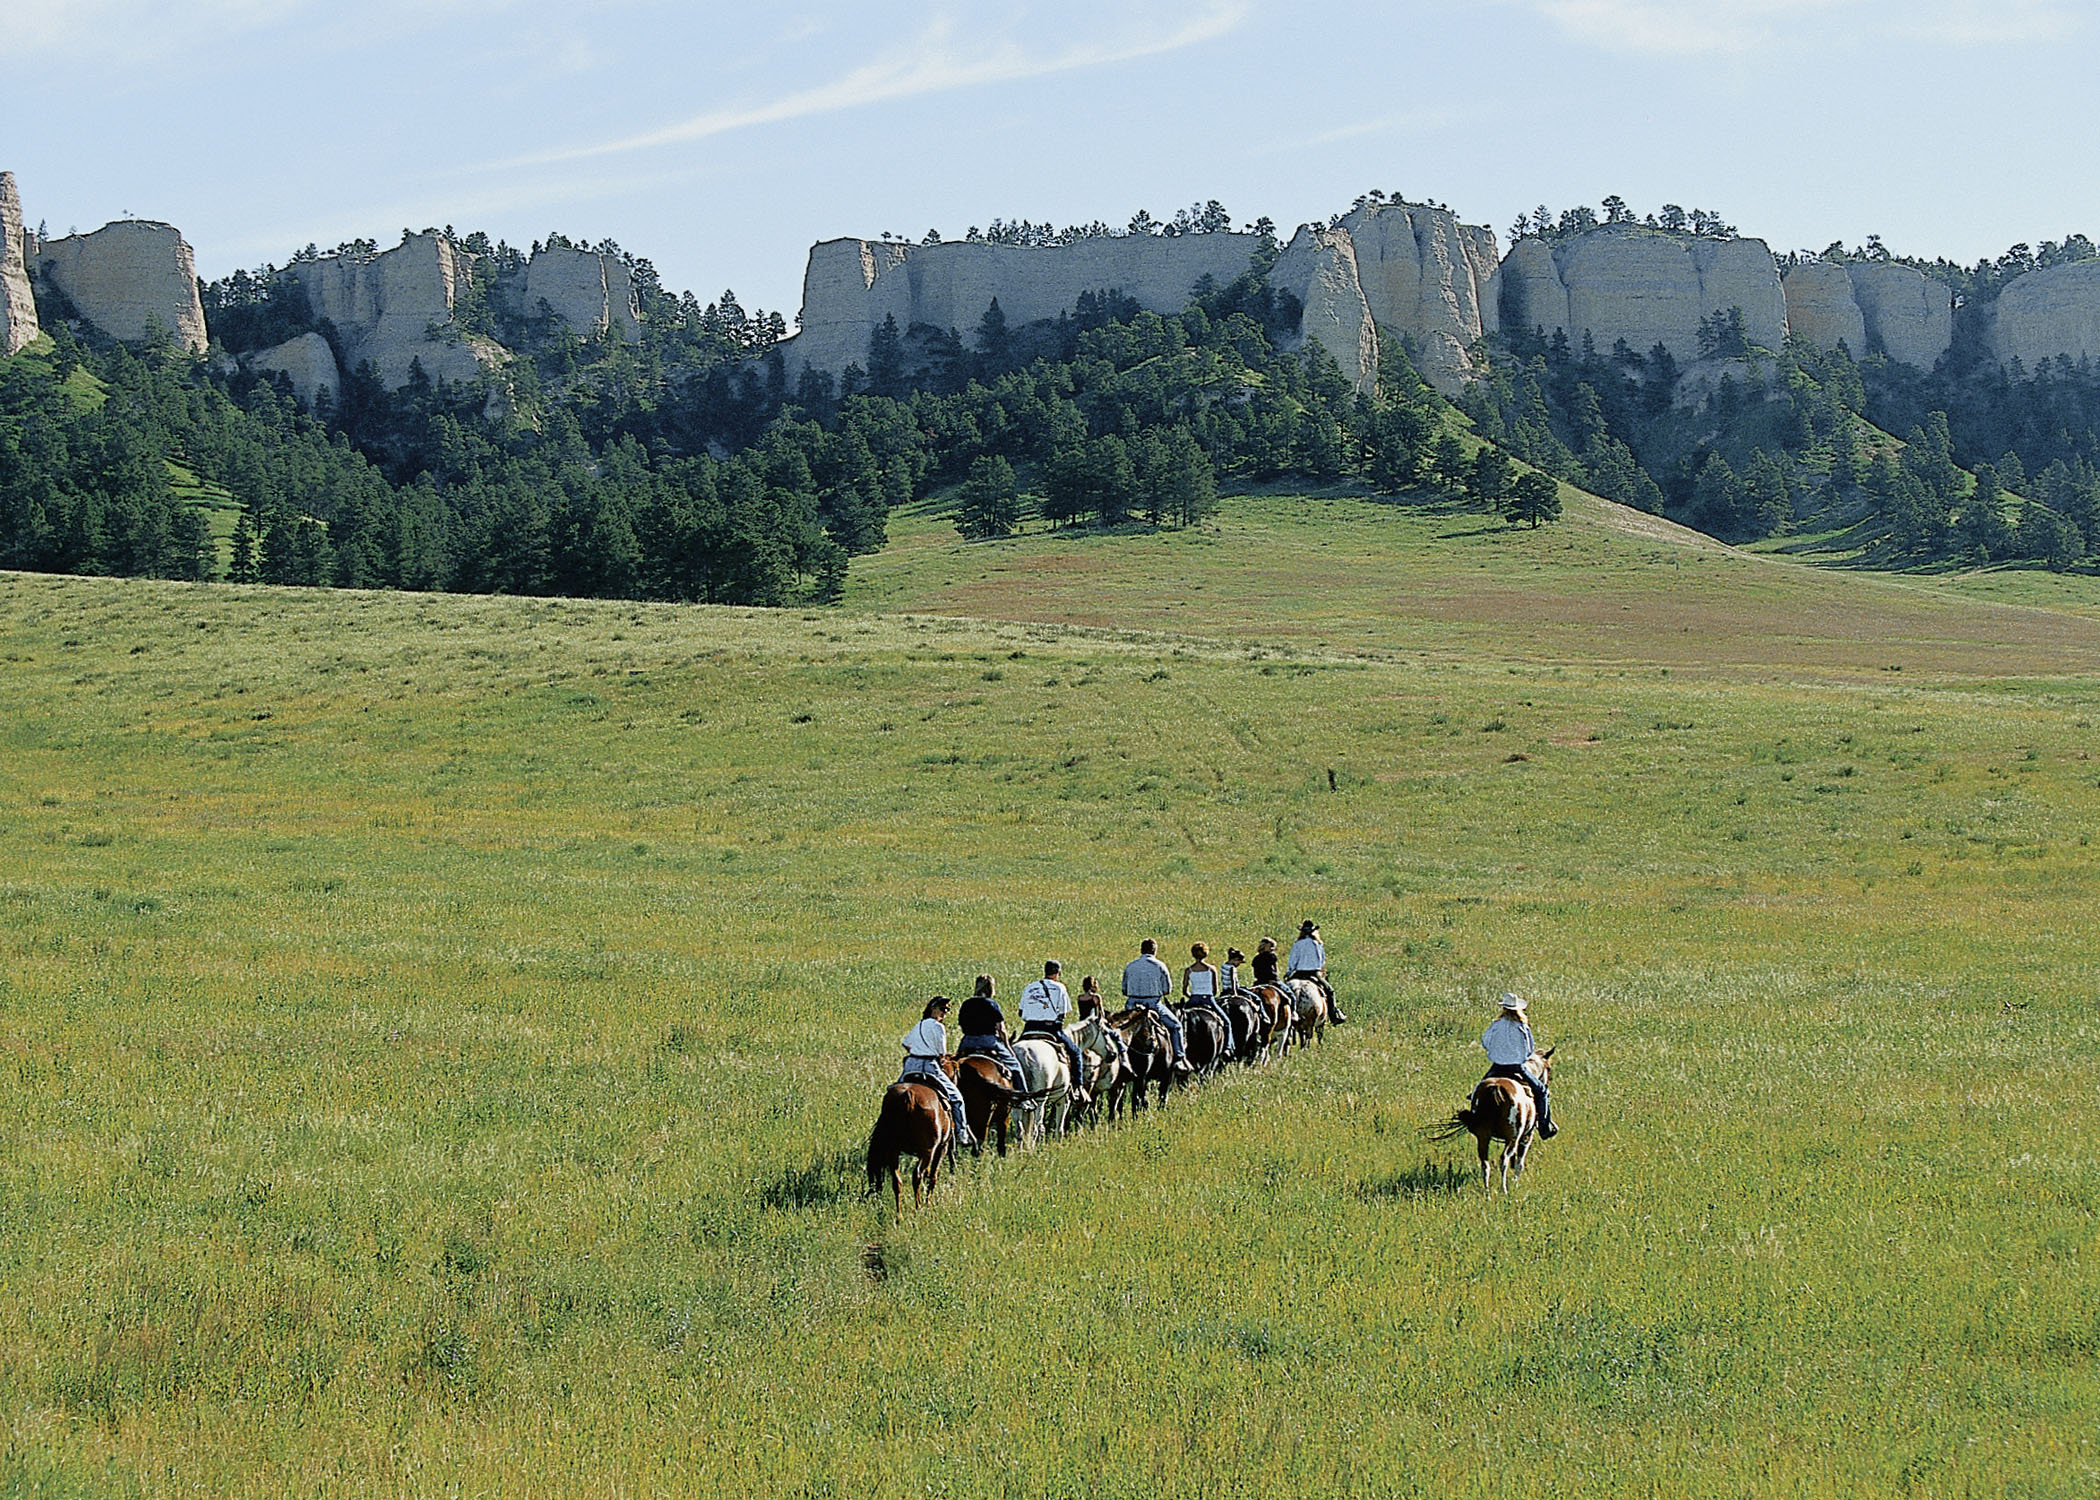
(18,323)
(127,279)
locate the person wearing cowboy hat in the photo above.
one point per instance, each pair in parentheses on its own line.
(1509,1046)
(1309,961)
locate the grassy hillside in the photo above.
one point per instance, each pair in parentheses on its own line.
(440,1030)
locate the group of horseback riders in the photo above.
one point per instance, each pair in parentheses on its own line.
(1047,1011)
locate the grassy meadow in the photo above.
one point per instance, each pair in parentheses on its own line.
(438,1034)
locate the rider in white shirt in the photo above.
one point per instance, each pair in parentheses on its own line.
(1201,986)
(1509,1045)
(1309,961)
(924,1047)
(1044,1006)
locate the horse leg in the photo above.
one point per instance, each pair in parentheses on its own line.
(897,1183)
(1481,1140)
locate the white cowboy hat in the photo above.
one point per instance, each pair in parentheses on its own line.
(1513,1002)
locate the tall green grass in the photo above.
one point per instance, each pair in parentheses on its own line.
(439,1035)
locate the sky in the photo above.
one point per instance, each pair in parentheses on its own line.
(721,141)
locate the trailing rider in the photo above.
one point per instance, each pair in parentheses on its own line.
(924,1047)
(1509,1046)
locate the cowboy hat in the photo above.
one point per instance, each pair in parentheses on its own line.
(1513,1002)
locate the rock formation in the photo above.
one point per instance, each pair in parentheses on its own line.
(850,286)
(1319,268)
(1821,308)
(1402,267)
(587,291)
(1627,282)
(307,362)
(1425,275)
(127,278)
(394,309)
(2044,314)
(18,323)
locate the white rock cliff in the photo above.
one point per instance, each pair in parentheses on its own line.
(395,309)
(127,278)
(307,362)
(589,292)
(2044,314)
(1641,285)
(18,323)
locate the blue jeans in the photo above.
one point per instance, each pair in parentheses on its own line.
(1157,1004)
(985,1045)
(1050,1032)
(928,1070)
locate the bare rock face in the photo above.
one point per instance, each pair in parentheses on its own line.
(1528,290)
(1909,316)
(18,323)
(2044,314)
(308,363)
(1320,268)
(1820,306)
(128,278)
(1646,287)
(1426,275)
(394,310)
(850,286)
(591,293)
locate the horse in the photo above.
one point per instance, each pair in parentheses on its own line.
(988,1099)
(1104,1070)
(1501,1109)
(1207,1038)
(1249,1021)
(913,1122)
(1046,1072)
(1308,1007)
(1276,1029)
(1151,1057)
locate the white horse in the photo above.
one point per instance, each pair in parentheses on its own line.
(1308,1007)
(1046,1071)
(1103,1066)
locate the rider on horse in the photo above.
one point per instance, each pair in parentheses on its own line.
(1509,1046)
(1044,1006)
(983,1025)
(1146,985)
(1202,988)
(1309,961)
(924,1047)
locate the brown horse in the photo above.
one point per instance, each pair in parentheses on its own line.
(914,1122)
(1501,1109)
(987,1098)
(1151,1058)
(1276,1030)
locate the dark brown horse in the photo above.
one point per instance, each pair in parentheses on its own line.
(1151,1058)
(1249,1025)
(988,1097)
(1501,1109)
(914,1122)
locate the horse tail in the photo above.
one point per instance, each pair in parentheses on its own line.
(1461,1123)
(882,1143)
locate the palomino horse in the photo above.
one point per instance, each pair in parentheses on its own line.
(988,1099)
(1500,1109)
(914,1122)
(1046,1072)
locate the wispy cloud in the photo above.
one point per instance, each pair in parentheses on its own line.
(1694,27)
(939,60)
(1679,27)
(1414,119)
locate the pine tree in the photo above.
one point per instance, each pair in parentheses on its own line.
(989,502)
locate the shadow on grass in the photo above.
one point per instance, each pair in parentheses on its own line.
(822,1181)
(1429,1180)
